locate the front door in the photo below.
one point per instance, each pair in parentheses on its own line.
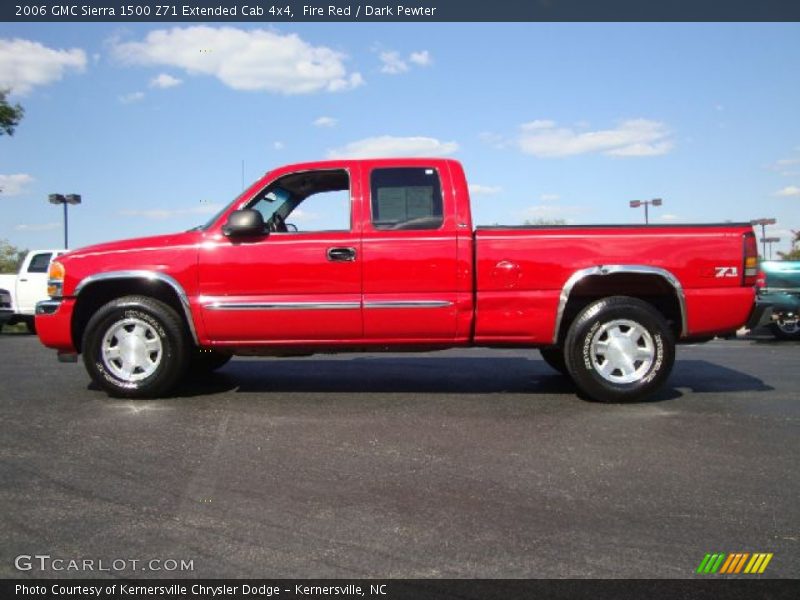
(32,282)
(301,281)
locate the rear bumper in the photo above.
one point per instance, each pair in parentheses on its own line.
(5,315)
(54,324)
(762,311)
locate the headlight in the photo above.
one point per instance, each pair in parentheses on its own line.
(55,279)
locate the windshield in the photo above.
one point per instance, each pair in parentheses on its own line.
(268,204)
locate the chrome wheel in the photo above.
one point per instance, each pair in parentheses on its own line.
(131,349)
(622,351)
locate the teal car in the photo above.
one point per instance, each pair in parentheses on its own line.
(779,287)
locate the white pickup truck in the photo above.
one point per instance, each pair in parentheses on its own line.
(27,287)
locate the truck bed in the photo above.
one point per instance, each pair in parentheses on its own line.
(521,273)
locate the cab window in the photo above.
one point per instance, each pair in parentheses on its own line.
(306,202)
(40,263)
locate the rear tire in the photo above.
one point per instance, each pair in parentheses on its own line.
(136,347)
(554,356)
(619,349)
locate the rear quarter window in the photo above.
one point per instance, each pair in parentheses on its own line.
(406,198)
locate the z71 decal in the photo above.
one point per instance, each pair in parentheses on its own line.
(726,271)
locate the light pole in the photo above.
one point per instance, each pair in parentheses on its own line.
(646,204)
(65,200)
(770,241)
(763,223)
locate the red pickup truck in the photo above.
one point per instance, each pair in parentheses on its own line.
(402,270)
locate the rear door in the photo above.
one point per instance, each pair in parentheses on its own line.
(410,254)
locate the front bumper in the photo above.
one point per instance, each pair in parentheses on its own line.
(54,324)
(781,302)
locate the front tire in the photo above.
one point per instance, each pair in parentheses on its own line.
(554,356)
(619,349)
(30,323)
(786,329)
(205,361)
(135,347)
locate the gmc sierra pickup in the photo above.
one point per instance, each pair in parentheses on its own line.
(402,270)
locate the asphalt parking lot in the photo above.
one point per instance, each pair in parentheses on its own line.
(465,463)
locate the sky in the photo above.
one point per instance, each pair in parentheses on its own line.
(151,123)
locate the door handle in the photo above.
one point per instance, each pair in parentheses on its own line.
(23,280)
(341,254)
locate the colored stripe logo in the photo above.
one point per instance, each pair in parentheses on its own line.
(735,563)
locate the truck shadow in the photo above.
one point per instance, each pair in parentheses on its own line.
(440,375)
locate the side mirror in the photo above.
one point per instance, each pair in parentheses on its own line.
(243,223)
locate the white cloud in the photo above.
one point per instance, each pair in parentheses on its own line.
(786,166)
(131,98)
(164,81)
(14,185)
(252,59)
(278,145)
(389,146)
(669,217)
(476,189)
(549,197)
(325,122)
(789,191)
(493,139)
(33,227)
(538,124)
(634,137)
(421,58)
(392,64)
(159,214)
(25,64)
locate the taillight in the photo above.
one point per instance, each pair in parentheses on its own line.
(750,271)
(761,280)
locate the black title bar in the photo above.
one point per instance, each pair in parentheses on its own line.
(402,589)
(395,11)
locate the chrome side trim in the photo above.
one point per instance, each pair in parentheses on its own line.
(409,304)
(612,270)
(143,274)
(47,307)
(218,305)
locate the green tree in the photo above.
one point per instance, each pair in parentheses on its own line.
(541,221)
(794,253)
(10,114)
(10,257)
